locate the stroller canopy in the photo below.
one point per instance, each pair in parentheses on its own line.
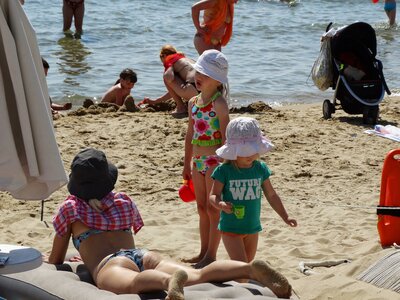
(355,45)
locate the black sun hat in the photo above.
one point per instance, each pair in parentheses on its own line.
(92,176)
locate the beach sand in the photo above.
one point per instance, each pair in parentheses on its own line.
(327,173)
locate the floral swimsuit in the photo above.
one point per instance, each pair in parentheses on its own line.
(206,132)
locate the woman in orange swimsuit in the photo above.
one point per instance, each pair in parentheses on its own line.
(216,29)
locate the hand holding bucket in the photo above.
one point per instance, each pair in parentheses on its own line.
(186,191)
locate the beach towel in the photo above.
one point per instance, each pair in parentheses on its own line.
(389,131)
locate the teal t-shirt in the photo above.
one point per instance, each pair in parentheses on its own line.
(242,187)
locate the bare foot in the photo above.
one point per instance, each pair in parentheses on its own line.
(130,104)
(271,278)
(193,260)
(204,262)
(179,115)
(176,284)
(87,103)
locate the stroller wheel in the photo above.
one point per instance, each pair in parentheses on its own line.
(327,109)
(370,115)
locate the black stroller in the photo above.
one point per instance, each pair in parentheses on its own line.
(358,79)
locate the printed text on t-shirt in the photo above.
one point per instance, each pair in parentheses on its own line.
(245,189)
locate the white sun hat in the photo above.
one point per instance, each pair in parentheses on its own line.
(214,64)
(243,138)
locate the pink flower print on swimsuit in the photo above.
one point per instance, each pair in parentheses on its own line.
(202,163)
(206,125)
(201,126)
(211,161)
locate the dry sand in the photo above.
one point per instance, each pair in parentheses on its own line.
(327,172)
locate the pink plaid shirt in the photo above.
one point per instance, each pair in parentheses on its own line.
(119,212)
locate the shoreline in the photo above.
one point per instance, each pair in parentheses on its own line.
(327,173)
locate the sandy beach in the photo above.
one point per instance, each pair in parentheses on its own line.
(327,173)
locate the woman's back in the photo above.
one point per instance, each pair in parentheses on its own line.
(99,245)
(185,69)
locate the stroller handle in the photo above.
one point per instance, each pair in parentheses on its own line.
(328,27)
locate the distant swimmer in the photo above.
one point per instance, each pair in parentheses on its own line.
(215,30)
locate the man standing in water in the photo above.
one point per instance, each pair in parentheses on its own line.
(73,9)
(390,10)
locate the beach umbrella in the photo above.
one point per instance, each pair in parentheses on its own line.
(30,164)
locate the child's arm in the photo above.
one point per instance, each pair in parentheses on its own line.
(276,203)
(187,170)
(215,197)
(196,8)
(163,98)
(168,76)
(222,110)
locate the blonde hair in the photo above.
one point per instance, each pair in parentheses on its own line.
(168,50)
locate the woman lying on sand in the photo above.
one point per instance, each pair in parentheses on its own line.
(103,237)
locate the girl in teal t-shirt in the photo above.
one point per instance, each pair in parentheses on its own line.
(238,186)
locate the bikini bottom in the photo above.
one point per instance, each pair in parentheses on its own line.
(202,163)
(135,255)
(74,4)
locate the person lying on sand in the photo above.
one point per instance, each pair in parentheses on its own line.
(100,223)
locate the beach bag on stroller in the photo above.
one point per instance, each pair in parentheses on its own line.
(322,70)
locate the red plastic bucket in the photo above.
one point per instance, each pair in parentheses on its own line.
(186,191)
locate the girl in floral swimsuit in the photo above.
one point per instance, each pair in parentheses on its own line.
(208,118)
(216,29)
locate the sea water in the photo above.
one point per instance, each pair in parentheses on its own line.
(272,50)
